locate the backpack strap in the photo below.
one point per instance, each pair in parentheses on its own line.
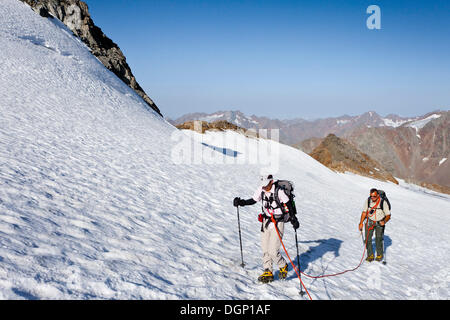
(381,203)
(275,195)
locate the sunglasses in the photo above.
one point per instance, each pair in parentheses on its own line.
(373,197)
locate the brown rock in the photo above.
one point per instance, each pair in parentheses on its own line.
(340,155)
(414,155)
(220,125)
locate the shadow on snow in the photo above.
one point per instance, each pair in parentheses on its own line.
(324,246)
(225,151)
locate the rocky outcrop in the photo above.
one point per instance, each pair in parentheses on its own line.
(308,145)
(75,15)
(203,126)
(340,155)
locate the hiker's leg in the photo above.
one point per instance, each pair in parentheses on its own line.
(265,240)
(275,245)
(369,235)
(379,233)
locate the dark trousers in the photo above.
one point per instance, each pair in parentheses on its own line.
(379,235)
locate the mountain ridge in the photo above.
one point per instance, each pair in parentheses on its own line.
(294,131)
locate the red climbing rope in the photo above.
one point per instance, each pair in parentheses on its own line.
(298,272)
(293,266)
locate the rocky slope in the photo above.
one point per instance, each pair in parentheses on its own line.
(308,145)
(417,151)
(75,15)
(340,155)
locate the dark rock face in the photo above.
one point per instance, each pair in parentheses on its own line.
(75,15)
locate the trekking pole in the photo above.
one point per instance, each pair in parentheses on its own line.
(384,248)
(298,263)
(240,239)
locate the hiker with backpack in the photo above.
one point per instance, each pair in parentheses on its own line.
(277,204)
(377,212)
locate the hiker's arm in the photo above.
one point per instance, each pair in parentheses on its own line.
(387,214)
(292,216)
(361,221)
(242,202)
(363,214)
(386,219)
(247,202)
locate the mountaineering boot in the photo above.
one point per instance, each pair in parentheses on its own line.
(283,272)
(370,258)
(266,277)
(379,257)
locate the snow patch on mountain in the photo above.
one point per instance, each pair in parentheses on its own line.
(392,123)
(419,124)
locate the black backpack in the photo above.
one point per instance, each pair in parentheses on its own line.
(288,188)
(383,197)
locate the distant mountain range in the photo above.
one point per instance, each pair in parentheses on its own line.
(415,149)
(294,131)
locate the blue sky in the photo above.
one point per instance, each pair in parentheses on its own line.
(284,59)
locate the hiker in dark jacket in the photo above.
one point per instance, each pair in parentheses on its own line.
(270,241)
(377,213)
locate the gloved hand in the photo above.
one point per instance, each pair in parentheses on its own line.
(236,201)
(295,223)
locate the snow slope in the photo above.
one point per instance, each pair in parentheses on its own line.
(94,204)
